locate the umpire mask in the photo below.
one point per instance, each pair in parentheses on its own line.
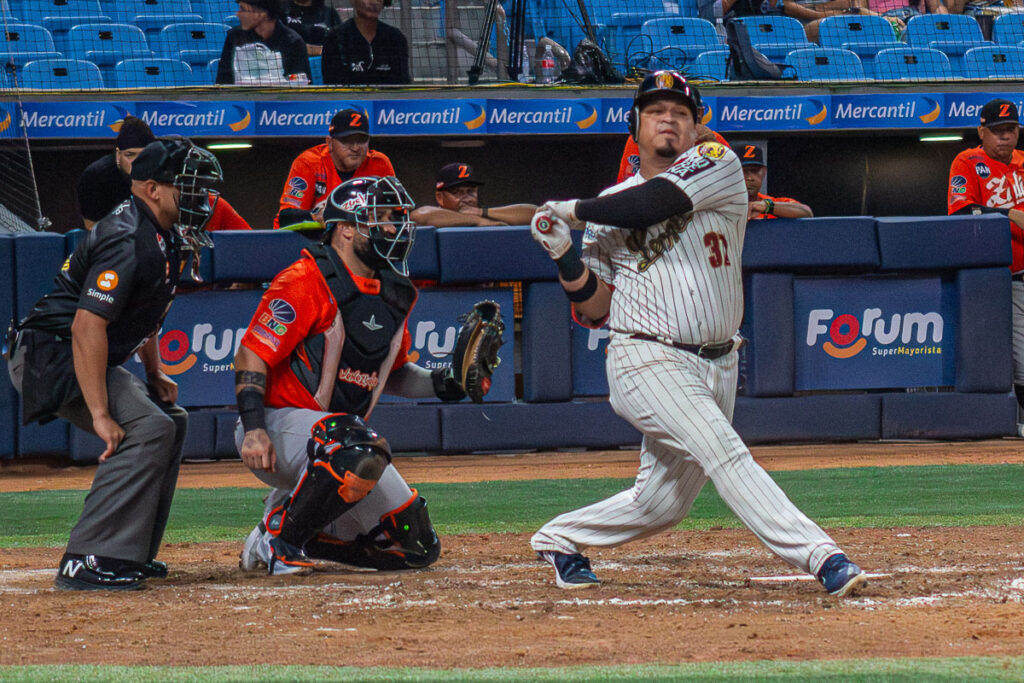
(379,208)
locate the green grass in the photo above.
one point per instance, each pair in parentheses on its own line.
(961,495)
(955,669)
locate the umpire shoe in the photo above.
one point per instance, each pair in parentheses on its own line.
(841,577)
(571,571)
(92,573)
(155,569)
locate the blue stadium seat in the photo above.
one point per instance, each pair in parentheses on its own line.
(686,36)
(193,43)
(711,64)
(4,83)
(5,11)
(24,42)
(996,61)
(153,15)
(58,16)
(211,70)
(776,36)
(689,8)
(953,34)
(107,44)
(316,68)
(825,64)
(152,72)
(864,35)
(218,11)
(1008,29)
(61,74)
(899,63)
(623,21)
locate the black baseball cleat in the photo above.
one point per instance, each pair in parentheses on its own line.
(94,573)
(154,569)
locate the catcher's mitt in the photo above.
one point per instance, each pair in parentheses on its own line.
(476,349)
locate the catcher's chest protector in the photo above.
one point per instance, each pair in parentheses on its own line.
(345,363)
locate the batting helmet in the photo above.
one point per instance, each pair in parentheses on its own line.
(658,83)
(373,205)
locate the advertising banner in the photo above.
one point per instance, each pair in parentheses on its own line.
(546,116)
(750,114)
(303,117)
(589,348)
(908,110)
(74,119)
(9,121)
(429,117)
(434,326)
(863,333)
(220,119)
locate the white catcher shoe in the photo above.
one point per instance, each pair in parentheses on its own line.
(256,551)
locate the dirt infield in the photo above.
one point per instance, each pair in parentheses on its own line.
(684,596)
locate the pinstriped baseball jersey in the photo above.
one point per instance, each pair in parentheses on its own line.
(680,279)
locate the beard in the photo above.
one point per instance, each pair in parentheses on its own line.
(368,255)
(667,151)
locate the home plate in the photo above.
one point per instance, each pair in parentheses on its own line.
(801,577)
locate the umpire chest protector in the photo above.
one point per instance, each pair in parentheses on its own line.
(346,366)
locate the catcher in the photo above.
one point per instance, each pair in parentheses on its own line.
(329,336)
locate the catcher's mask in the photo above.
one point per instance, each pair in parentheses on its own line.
(379,208)
(663,83)
(195,172)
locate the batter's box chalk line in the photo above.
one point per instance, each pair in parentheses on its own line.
(803,577)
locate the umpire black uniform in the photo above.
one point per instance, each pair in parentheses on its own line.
(107,303)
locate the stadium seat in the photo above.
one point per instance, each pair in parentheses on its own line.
(25,42)
(996,61)
(193,43)
(776,36)
(711,64)
(1008,29)
(211,70)
(5,11)
(864,35)
(923,63)
(623,22)
(4,82)
(316,68)
(685,36)
(153,72)
(61,74)
(107,44)
(217,11)
(953,34)
(153,15)
(825,64)
(58,16)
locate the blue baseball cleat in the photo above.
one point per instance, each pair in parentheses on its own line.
(571,571)
(841,577)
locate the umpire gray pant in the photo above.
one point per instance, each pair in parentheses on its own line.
(126,510)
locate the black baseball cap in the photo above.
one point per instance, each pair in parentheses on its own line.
(161,160)
(349,122)
(999,111)
(750,155)
(456,174)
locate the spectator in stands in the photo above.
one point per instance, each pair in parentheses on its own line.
(107,182)
(260,23)
(761,205)
(990,179)
(311,19)
(743,8)
(457,195)
(365,50)
(317,171)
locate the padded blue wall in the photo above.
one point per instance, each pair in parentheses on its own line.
(984,335)
(944,242)
(547,325)
(8,397)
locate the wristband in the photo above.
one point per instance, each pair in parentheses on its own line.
(251,409)
(769,206)
(570,266)
(483,212)
(585,292)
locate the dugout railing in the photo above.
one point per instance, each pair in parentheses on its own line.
(916,312)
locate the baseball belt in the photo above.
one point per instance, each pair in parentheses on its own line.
(1019,277)
(709,351)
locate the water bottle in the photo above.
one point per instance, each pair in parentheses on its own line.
(524,70)
(719,22)
(547,66)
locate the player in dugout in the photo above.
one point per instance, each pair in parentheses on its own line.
(314,174)
(763,206)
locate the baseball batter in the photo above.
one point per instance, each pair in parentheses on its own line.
(990,179)
(661,263)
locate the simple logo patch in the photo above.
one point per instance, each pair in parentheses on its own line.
(267,337)
(274,326)
(982,170)
(282,311)
(958,181)
(320,189)
(298,184)
(372,325)
(107,280)
(711,150)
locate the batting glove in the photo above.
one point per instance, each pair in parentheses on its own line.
(551,232)
(566,211)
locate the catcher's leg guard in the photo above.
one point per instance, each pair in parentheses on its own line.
(404,539)
(346,458)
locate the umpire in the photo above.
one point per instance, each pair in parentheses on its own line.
(65,358)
